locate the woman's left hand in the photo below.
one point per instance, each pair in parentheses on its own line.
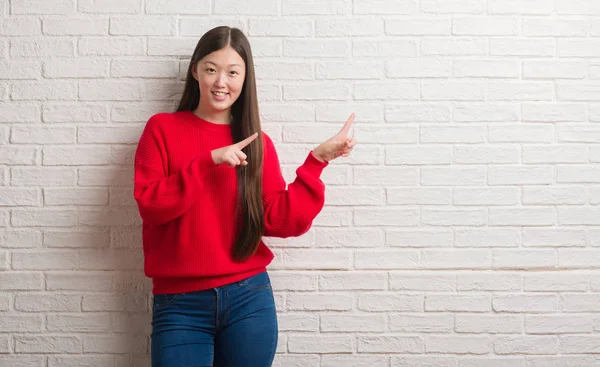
(339,145)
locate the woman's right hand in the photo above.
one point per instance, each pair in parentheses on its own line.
(232,155)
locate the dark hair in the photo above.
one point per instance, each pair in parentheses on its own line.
(246,121)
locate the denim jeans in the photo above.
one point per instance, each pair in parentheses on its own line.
(230,326)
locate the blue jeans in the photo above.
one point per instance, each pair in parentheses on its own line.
(230,326)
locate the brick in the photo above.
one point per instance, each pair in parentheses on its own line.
(486,69)
(488,237)
(560,361)
(281,28)
(452,176)
(20,323)
(67,112)
(525,344)
(317,259)
(351,360)
(42,135)
(47,302)
(40,48)
(452,134)
(553,196)
(390,302)
(457,303)
(489,281)
(525,133)
(390,344)
(47,344)
(81,361)
(22,360)
(319,302)
(177,7)
(42,7)
(458,344)
(322,48)
(429,361)
(453,6)
(320,344)
(493,324)
(80,281)
(399,155)
(492,362)
(406,49)
(46,260)
(554,112)
(19,197)
(114,343)
(426,281)
(113,46)
(78,323)
(578,47)
(516,175)
(419,238)
(523,259)
(536,27)
(75,26)
(521,91)
(398,259)
(43,176)
(110,6)
(142,26)
(573,302)
(17,70)
(20,27)
(580,92)
(529,7)
(553,237)
(353,323)
(454,217)
(75,196)
(415,26)
(20,238)
(19,112)
(298,322)
(525,303)
(386,217)
(76,238)
(539,47)
(485,26)
(544,69)
(419,196)
(55,91)
(76,68)
(453,47)
(526,216)
(43,217)
(316,7)
(557,324)
(343,28)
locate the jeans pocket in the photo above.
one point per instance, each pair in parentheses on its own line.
(163,300)
(257,282)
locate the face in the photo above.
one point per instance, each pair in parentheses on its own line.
(220,76)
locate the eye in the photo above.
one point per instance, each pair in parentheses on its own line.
(234,72)
(210,70)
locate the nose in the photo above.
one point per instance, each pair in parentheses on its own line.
(220,81)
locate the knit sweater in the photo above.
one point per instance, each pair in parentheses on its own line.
(188,203)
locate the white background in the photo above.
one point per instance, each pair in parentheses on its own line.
(463,232)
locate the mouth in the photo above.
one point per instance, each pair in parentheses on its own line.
(219,94)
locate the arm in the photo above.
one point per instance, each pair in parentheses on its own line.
(162,198)
(291,212)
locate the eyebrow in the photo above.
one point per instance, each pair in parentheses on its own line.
(210,62)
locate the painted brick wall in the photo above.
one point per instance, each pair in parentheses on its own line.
(463,232)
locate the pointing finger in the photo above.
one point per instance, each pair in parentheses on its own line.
(245,142)
(347,125)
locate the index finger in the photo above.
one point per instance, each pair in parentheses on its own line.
(347,125)
(245,142)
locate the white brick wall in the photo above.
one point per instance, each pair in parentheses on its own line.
(463,232)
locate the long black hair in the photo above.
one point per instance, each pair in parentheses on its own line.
(246,121)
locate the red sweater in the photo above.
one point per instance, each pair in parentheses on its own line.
(187,204)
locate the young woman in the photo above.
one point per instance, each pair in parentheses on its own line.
(208,186)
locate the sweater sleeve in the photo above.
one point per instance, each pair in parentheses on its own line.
(290,212)
(162,198)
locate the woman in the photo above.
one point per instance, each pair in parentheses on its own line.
(208,186)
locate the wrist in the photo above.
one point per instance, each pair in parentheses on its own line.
(318,156)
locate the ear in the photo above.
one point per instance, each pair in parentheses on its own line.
(195,71)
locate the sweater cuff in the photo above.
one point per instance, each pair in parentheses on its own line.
(313,165)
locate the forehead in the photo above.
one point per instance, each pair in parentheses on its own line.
(224,57)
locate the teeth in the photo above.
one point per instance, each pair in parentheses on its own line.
(219,93)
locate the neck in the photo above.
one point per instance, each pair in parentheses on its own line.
(216,117)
